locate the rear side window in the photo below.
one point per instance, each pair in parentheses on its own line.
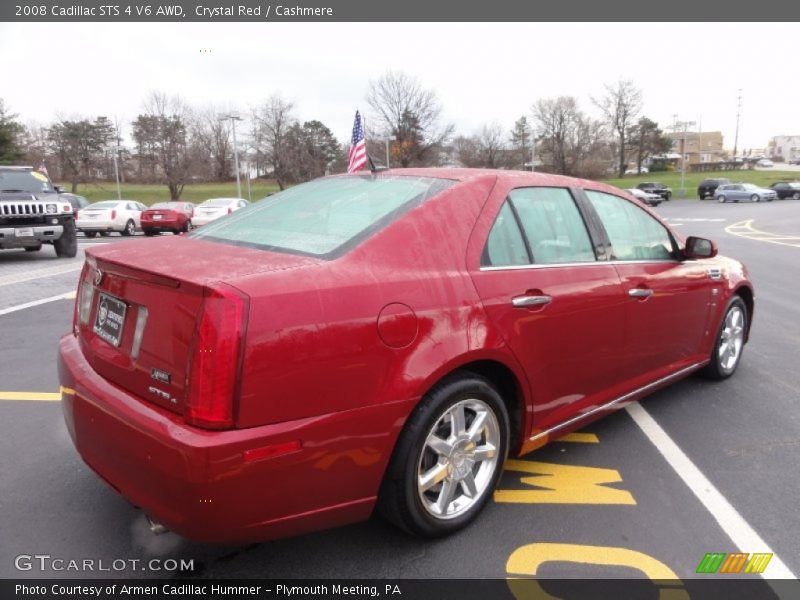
(325,217)
(553,225)
(634,234)
(505,246)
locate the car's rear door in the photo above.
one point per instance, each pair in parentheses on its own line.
(559,309)
(667,299)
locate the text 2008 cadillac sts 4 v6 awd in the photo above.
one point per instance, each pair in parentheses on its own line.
(381,340)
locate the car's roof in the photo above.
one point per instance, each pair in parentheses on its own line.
(514,177)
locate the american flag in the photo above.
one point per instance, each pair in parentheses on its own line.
(358,146)
(43,169)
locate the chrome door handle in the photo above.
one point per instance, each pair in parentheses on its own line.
(640,293)
(526,301)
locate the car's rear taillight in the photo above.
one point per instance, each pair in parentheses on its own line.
(230,210)
(113,215)
(83,304)
(216,358)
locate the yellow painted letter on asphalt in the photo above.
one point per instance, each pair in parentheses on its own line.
(525,562)
(564,484)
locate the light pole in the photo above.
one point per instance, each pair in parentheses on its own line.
(116,150)
(233,118)
(736,137)
(390,138)
(533,149)
(677,127)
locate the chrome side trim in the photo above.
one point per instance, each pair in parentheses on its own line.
(612,403)
(579,264)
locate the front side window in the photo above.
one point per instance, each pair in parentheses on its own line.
(634,234)
(324,217)
(553,225)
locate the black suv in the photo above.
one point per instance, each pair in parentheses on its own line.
(32,213)
(654,187)
(787,189)
(708,187)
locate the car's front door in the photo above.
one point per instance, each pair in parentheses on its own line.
(668,299)
(560,310)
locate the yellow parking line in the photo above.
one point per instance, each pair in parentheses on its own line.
(579,437)
(745,229)
(35,396)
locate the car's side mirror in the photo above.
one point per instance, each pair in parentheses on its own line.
(697,247)
(58,189)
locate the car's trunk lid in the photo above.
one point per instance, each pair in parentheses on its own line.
(146,302)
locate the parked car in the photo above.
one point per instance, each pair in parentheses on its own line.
(787,189)
(744,191)
(381,339)
(168,216)
(634,171)
(215,208)
(646,197)
(654,187)
(77,202)
(708,187)
(765,162)
(122,216)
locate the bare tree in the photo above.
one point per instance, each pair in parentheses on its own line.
(162,139)
(212,134)
(404,109)
(571,143)
(621,107)
(275,118)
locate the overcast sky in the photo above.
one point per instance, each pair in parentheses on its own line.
(481,72)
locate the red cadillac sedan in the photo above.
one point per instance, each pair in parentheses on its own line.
(381,340)
(168,216)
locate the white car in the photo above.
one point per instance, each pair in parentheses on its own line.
(765,162)
(123,216)
(646,197)
(633,171)
(215,208)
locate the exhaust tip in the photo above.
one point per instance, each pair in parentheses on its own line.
(155,527)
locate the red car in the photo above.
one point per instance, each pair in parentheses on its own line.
(168,216)
(381,339)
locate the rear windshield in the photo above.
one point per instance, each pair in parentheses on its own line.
(104,204)
(325,217)
(167,205)
(24,180)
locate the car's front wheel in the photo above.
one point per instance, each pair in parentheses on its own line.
(730,341)
(755,198)
(67,245)
(448,458)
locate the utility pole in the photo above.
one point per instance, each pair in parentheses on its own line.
(233,118)
(116,150)
(677,126)
(736,137)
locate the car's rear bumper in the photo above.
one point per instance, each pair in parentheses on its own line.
(203,220)
(199,483)
(162,225)
(98,225)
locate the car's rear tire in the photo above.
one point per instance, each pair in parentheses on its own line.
(67,245)
(729,345)
(33,248)
(448,458)
(130,228)
(721,198)
(105,233)
(755,198)
(796,196)
(667,196)
(187,227)
(149,232)
(90,234)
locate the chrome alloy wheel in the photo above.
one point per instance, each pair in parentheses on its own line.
(459,459)
(731,339)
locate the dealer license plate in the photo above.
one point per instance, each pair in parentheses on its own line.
(110,319)
(24,232)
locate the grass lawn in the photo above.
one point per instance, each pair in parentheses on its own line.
(152,193)
(673,179)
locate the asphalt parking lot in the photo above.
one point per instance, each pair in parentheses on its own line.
(621,502)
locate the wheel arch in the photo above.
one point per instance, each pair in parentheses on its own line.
(745,292)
